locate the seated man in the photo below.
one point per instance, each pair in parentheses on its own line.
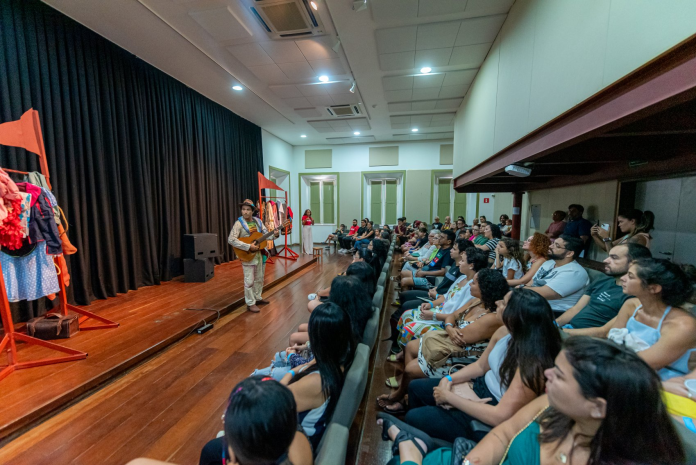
(604,297)
(561,280)
(437,267)
(349,239)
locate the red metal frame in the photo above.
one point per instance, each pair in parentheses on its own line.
(285,252)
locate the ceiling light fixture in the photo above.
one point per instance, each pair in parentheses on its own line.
(425,70)
(314,5)
(303,136)
(352,88)
(237,87)
(414,130)
(324,78)
(356,133)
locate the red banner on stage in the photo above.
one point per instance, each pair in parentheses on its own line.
(266,184)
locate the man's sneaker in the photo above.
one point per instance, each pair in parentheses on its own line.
(312,296)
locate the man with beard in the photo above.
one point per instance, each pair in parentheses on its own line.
(604,297)
(561,280)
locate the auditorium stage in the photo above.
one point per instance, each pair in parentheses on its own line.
(151,319)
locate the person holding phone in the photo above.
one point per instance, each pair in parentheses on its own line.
(634,224)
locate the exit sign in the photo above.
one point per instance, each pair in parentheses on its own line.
(486,200)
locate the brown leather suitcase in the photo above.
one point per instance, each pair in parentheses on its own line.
(53,326)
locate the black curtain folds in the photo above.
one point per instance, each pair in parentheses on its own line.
(136,158)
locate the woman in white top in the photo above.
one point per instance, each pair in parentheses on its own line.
(634,224)
(509,257)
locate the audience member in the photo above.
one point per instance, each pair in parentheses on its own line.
(339,232)
(359,268)
(561,280)
(436,267)
(460,226)
(465,336)
(366,237)
(579,227)
(597,394)
(478,237)
(348,240)
(508,376)
(507,229)
(436,223)
(537,248)
(423,253)
(652,324)
(466,234)
(557,227)
(509,258)
(448,224)
(503,220)
(475,222)
(492,234)
(260,426)
(634,224)
(604,297)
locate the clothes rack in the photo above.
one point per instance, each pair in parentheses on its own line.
(285,252)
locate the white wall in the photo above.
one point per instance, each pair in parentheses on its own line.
(278,153)
(551,55)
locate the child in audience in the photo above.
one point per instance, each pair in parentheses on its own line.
(509,258)
(506,228)
(652,324)
(260,427)
(466,333)
(509,374)
(602,406)
(537,252)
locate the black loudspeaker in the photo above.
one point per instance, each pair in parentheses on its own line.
(198,271)
(200,246)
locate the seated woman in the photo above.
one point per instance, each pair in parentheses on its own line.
(333,345)
(492,234)
(422,250)
(380,249)
(260,426)
(508,376)
(340,231)
(359,256)
(366,237)
(417,240)
(635,226)
(349,293)
(466,334)
(509,258)
(432,315)
(597,392)
(537,246)
(652,324)
(437,266)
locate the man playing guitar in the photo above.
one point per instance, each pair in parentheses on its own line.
(253,269)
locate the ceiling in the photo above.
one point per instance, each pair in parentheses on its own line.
(213,45)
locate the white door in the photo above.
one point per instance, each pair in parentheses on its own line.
(673,202)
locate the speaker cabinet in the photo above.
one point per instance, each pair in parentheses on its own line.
(198,271)
(198,246)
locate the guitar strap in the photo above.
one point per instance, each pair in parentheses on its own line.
(259,225)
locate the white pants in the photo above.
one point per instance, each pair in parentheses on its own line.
(307,240)
(253,279)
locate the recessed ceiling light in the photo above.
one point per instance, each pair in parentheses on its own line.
(356,133)
(237,87)
(414,130)
(425,70)
(314,5)
(323,78)
(303,136)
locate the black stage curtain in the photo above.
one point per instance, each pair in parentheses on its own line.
(136,158)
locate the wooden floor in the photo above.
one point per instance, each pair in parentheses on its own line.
(151,319)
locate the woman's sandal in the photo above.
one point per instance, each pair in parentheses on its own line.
(406,433)
(384,402)
(394,358)
(392,382)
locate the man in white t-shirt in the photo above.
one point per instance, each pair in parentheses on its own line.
(561,280)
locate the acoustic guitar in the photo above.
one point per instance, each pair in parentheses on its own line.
(258,239)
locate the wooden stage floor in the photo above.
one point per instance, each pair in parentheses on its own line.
(151,319)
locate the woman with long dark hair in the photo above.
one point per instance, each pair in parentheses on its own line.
(509,374)
(603,406)
(317,384)
(380,249)
(635,225)
(307,239)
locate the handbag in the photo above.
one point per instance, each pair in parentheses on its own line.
(53,326)
(460,449)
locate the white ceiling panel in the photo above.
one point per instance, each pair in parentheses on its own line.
(299,102)
(329,67)
(394,10)
(339,125)
(489,6)
(437,35)
(316,49)
(269,74)
(453,91)
(428,80)
(310,90)
(448,104)
(454,78)
(440,135)
(398,95)
(321,100)
(423,106)
(400,119)
(444,117)
(470,56)
(397,39)
(319,124)
(396,61)
(421,120)
(343,99)
(307,112)
(479,30)
(250,55)
(397,82)
(398,107)
(220,24)
(286,91)
(440,7)
(427,93)
(297,71)
(283,51)
(432,58)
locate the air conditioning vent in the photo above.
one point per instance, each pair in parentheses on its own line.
(287,18)
(340,111)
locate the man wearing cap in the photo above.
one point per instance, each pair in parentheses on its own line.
(255,268)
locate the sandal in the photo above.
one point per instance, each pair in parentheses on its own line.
(397,408)
(392,382)
(406,433)
(394,357)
